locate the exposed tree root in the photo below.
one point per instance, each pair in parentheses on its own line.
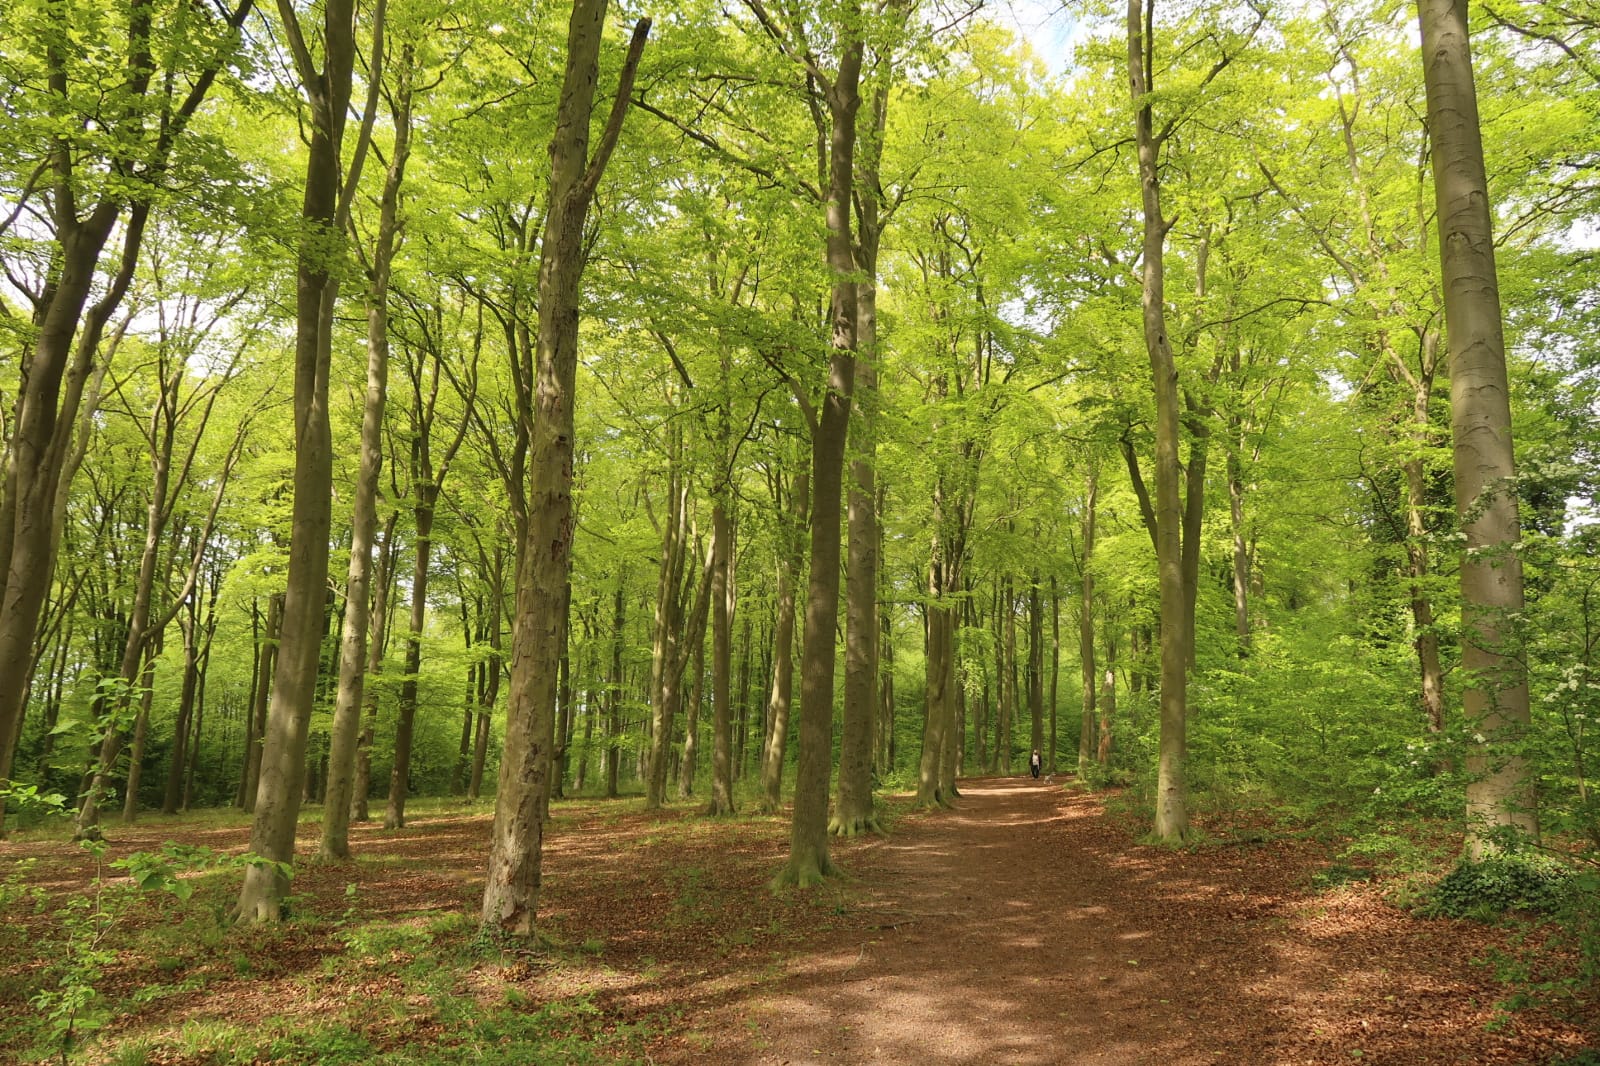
(841,827)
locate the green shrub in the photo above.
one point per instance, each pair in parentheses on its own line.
(1487,888)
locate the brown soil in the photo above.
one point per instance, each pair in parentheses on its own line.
(1024,927)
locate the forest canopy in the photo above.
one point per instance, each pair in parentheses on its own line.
(769,404)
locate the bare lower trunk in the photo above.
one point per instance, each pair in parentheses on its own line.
(721,660)
(1086,628)
(936,721)
(778,699)
(950,759)
(141,730)
(364,520)
(667,640)
(511,892)
(294,683)
(1495,702)
(1172,793)
(613,756)
(1425,636)
(1035,666)
(691,725)
(361,790)
(1055,669)
(1241,557)
(1108,698)
(258,713)
(394,815)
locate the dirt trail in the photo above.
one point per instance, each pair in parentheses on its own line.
(1024,928)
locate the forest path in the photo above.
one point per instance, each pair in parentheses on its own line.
(1014,929)
(1024,927)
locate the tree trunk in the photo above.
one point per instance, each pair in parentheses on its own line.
(929,779)
(1108,698)
(613,756)
(1241,553)
(666,650)
(853,806)
(691,725)
(335,844)
(1172,799)
(1086,627)
(294,683)
(141,730)
(789,563)
(511,894)
(1495,701)
(808,841)
(361,791)
(885,758)
(1036,665)
(564,698)
(1055,668)
(1012,701)
(427,489)
(721,660)
(955,711)
(172,794)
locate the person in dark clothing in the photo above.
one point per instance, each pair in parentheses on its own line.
(1035,764)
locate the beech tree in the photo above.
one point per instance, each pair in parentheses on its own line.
(510,898)
(279,792)
(1495,702)
(101,174)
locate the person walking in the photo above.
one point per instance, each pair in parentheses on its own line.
(1035,764)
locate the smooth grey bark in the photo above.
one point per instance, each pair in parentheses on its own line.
(790,562)
(1036,665)
(1011,703)
(278,797)
(511,892)
(613,757)
(1172,798)
(854,811)
(1055,668)
(489,670)
(691,724)
(1086,624)
(1495,701)
(266,667)
(335,844)
(673,577)
(378,626)
(1108,696)
(190,624)
(721,589)
(808,860)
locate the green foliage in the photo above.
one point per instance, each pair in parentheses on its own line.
(1489,887)
(72,1006)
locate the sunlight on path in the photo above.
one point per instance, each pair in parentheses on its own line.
(990,944)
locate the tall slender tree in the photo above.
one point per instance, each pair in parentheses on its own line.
(511,892)
(1495,703)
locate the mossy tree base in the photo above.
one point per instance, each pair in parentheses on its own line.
(804,873)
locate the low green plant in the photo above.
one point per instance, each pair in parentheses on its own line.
(1487,888)
(71,1007)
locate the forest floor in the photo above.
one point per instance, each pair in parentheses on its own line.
(1026,926)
